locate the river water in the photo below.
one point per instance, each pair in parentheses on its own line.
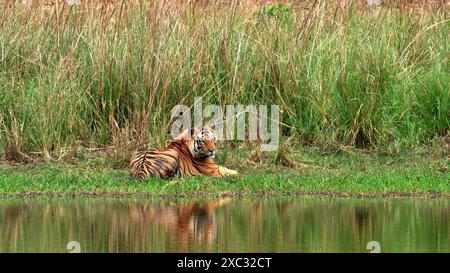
(300,224)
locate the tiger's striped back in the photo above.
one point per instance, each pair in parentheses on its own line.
(162,163)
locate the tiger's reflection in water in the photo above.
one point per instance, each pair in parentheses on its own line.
(188,222)
(300,224)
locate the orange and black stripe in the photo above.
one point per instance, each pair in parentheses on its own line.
(155,163)
(176,160)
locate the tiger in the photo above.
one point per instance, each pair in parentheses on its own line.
(189,154)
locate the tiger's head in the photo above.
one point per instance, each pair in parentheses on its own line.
(201,143)
(204,143)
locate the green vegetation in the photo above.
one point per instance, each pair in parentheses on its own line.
(108,75)
(308,172)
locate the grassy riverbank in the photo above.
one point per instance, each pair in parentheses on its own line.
(351,173)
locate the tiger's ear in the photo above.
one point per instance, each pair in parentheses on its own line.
(185,135)
(194,131)
(210,127)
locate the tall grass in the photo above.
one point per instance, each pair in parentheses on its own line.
(108,74)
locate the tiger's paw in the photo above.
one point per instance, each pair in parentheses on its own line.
(227,172)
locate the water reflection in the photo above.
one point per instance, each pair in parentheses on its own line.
(227,225)
(187,223)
